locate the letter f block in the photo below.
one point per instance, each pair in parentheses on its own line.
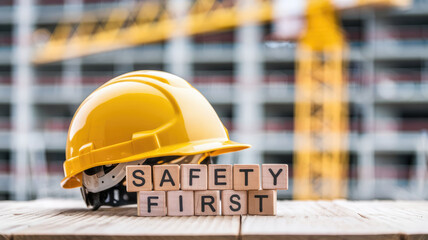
(151,203)
(194,177)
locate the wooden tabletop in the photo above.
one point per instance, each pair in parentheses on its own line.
(69,219)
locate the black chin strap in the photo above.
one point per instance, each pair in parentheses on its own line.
(114,196)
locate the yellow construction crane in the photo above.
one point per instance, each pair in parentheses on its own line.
(321,115)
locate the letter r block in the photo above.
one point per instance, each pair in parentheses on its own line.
(207,202)
(138,178)
(220,176)
(233,202)
(151,203)
(275,176)
(166,177)
(194,177)
(262,202)
(246,177)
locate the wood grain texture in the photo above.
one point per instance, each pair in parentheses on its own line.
(69,219)
(340,220)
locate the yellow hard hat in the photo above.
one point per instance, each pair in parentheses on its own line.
(140,115)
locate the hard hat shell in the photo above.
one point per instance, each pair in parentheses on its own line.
(138,115)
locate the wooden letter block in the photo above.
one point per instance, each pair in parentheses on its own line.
(262,202)
(166,177)
(194,177)
(151,203)
(275,176)
(138,178)
(234,202)
(180,203)
(246,177)
(220,176)
(207,202)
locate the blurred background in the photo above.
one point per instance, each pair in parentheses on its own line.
(246,72)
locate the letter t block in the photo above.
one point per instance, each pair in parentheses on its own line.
(246,177)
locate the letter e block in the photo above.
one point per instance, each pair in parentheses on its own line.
(194,177)
(275,176)
(138,178)
(246,177)
(166,177)
(207,202)
(220,176)
(234,202)
(151,203)
(262,202)
(180,203)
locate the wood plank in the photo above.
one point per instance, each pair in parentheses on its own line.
(69,219)
(59,219)
(409,218)
(315,220)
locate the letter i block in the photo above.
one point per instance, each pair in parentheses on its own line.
(220,176)
(166,177)
(138,178)
(207,202)
(151,203)
(275,176)
(234,202)
(262,202)
(180,203)
(246,177)
(194,177)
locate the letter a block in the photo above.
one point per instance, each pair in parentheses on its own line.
(246,177)
(234,202)
(151,203)
(194,177)
(207,202)
(166,177)
(220,176)
(275,176)
(180,203)
(262,202)
(138,178)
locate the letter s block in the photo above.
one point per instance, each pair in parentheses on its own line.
(234,202)
(207,202)
(275,176)
(151,203)
(138,178)
(194,177)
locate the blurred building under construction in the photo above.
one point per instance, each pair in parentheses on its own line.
(249,79)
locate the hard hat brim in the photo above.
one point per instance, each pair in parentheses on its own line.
(214,147)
